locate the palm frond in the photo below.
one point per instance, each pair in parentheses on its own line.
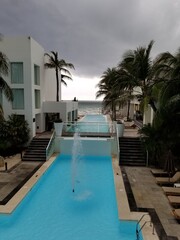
(6,89)
(59,66)
(4,66)
(49,65)
(64,70)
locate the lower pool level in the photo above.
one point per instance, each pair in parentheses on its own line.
(52,211)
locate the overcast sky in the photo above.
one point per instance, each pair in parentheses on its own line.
(93,34)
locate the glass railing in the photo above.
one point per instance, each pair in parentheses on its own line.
(94,128)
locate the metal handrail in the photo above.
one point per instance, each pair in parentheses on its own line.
(117,140)
(139,230)
(50,146)
(147,152)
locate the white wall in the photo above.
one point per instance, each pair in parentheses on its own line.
(27,50)
(89,146)
(37,58)
(17,51)
(62,107)
(50,83)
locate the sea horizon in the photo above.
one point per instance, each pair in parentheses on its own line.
(89,107)
(89,100)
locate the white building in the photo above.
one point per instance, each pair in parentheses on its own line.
(34,87)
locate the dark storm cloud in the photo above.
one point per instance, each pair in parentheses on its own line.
(93,34)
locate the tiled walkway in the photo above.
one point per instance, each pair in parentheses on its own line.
(14,178)
(148,194)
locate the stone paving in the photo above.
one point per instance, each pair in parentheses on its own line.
(16,175)
(148,194)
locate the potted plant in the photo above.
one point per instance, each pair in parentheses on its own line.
(58,126)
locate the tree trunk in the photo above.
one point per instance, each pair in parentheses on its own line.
(128,109)
(151,102)
(57,82)
(113,111)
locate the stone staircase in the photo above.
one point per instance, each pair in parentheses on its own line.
(131,152)
(36,150)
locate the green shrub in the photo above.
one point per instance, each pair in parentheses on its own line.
(14,135)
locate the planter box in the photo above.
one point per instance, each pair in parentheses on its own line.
(120,129)
(58,128)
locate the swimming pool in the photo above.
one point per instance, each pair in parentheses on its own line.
(94,118)
(52,211)
(93,123)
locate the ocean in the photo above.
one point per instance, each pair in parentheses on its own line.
(89,107)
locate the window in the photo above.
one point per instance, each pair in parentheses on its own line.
(18,101)
(37,98)
(36,75)
(20,117)
(69,116)
(17,72)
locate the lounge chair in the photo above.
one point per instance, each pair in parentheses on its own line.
(168,180)
(176,213)
(159,172)
(173,191)
(174,201)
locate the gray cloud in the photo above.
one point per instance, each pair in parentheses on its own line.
(93,34)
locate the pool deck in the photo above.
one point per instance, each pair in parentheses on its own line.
(147,195)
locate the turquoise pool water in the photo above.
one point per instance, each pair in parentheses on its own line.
(94,118)
(52,211)
(93,123)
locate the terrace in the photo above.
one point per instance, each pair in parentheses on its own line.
(138,186)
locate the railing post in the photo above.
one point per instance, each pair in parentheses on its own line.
(138,231)
(50,145)
(147,158)
(6,168)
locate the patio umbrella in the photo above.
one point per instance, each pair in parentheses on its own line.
(169,164)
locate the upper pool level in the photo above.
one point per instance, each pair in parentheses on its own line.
(89,126)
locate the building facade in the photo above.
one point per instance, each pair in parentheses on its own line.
(33,86)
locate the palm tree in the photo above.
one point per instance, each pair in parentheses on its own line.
(126,82)
(166,120)
(167,69)
(114,95)
(151,137)
(138,72)
(60,67)
(162,136)
(4,69)
(107,90)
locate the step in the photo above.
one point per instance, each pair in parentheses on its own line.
(39,144)
(36,150)
(131,152)
(34,159)
(35,154)
(36,147)
(133,164)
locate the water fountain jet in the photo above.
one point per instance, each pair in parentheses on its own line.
(76,156)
